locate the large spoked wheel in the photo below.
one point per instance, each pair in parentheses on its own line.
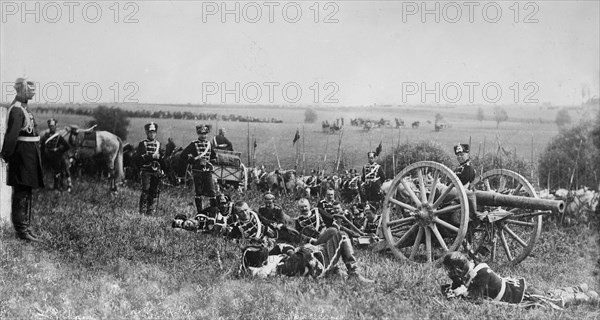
(425,212)
(511,239)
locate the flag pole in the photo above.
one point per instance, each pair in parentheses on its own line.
(303,152)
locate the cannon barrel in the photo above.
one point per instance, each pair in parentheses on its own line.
(489,198)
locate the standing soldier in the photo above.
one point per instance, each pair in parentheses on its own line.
(54,146)
(199,154)
(150,158)
(464,171)
(221,142)
(21,149)
(372,178)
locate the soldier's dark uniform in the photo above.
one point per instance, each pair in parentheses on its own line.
(55,147)
(465,172)
(200,154)
(219,217)
(252,228)
(331,242)
(326,205)
(314,183)
(349,187)
(21,149)
(221,142)
(372,178)
(150,158)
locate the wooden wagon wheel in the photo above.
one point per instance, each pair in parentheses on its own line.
(421,225)
(516,234)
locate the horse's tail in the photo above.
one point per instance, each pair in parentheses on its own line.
(119,162)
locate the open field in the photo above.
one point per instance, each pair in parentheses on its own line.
(101,260)
(523,132)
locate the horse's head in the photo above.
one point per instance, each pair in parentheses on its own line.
(170,147)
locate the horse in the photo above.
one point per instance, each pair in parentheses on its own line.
(580,206)
(132,172)
(415,125)
(105,144)
(279,181)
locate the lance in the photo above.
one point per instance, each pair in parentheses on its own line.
(325,156)
(339,156)
(276,154)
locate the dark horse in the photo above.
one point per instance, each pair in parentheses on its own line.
(104,144)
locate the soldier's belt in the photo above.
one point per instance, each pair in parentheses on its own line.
(28,139)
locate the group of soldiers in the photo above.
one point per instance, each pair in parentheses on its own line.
(199,154)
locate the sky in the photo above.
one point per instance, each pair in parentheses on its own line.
(338,53)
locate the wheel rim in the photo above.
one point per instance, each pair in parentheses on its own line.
(420,225)
(508,241)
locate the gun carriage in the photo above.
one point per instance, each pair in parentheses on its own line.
(428,211)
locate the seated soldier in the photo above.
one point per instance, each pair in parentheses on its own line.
(321,230)
(273,216)
(480,282)
(371,222)
(314,183)
(248,224)
(327,203)
(218,217)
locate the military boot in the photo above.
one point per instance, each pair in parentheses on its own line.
(144,202)
(151,206)
(198,202)
(354,275)
(21,217)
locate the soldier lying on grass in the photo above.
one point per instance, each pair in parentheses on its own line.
(480,282)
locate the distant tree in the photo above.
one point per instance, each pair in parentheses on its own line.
(562,118)
(500,115)
(480,115)
(573,152)
(310,116)
(111,119)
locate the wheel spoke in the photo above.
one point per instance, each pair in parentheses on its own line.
(486,182)
(501,184)
(406,235)
(403,205)
(412,194)
(436,177)
(447,209)
(443,196)
(400,222)
(520,223)
(439,236)
(428,244)
(517,189)
(445,224)
(515,236)
(422,186)
(417,243)
(509,255)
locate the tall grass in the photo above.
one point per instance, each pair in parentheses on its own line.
(101,260)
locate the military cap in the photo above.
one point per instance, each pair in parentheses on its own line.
(151,127)
(370,153)
(462,147)
(51,122)
(203,128)
(269,196)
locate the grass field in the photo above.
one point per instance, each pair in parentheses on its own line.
(101,260)
(523,132)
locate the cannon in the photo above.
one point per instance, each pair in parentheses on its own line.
(427,211)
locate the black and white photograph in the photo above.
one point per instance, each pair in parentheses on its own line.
(306,159)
